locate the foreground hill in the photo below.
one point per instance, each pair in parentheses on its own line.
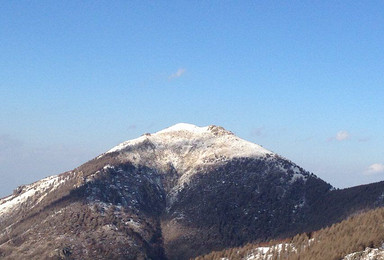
(359,237)
(175,194)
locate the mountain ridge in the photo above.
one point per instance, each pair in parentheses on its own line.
(175,194)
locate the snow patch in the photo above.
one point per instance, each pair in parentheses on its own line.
(108,166)
(367,254)
(266,252)
(297,176)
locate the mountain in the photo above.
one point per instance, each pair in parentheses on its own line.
(175,194)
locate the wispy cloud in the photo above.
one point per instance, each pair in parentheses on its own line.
(259,131)
(177,74)
(363,139)
(340,136)
(374,169)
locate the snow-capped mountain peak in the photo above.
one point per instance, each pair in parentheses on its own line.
(216,137)
(188,148)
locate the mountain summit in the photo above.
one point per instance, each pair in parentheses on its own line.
(187,149)
(210,138)
(174,194)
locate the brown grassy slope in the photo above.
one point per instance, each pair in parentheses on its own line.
(331,243)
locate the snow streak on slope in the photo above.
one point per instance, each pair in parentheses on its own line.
(24,192)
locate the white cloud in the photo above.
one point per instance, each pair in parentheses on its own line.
(178,73)
(374,169)
(342,135)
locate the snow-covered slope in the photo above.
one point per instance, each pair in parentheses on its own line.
(37,190)
(189,148)
(186,141)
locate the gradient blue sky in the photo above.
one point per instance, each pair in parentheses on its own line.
(304,79)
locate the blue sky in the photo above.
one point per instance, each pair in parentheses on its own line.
(303,79)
